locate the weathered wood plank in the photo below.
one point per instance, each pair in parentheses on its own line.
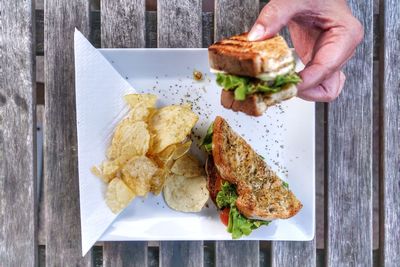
(390,153)
(39,29)
(41,206)
(208,28)
(181,253)
(302,253)
(151,29)
(18,203)
(285,253)
(63,233)
(123,23)
(179,23)
(237,253)
(349,139)
(234,17)
(121,254)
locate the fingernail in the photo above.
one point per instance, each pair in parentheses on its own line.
(256,32)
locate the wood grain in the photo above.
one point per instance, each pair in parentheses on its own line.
(349,138)
(237,253)
(151,29)
(179,23)
(18,203)
(207,28)
(181,253)
(390,157)
(234,17)
(124,254)
(286,253)
(123,23)
(63,233)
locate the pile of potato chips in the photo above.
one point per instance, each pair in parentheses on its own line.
(148,152)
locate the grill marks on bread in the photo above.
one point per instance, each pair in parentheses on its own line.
(238,56)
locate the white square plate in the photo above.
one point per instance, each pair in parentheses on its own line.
(284,136)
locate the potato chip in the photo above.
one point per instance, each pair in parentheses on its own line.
(129,140)
(137,174)
(96,171)
(187,166)
(165,158)
(118,195)
(158,180)
(142,106)
(144,148)
(185,194)
(141,113)
(181,149)
(171,125)
(147,100)
(107,170)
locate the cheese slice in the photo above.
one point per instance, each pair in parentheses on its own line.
(270,76)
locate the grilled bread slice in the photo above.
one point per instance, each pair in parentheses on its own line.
(261,193)
(238,56)
(256,104)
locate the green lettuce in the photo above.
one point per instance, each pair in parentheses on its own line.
(238,225)
(226,196)
(207,141)
(243,86)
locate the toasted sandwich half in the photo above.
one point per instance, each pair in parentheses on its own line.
(241,181)
(254,75)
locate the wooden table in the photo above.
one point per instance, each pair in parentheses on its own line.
(48,221)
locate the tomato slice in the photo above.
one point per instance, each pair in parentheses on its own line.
(224,216)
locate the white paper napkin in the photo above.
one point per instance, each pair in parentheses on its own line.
(97,84)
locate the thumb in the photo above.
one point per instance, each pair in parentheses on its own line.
(273,17)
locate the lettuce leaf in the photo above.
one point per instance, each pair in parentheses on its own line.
(243,86)
(207,141)
(226,196)
(238,225)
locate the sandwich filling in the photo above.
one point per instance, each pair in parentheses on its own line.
(224,195)
(243,86)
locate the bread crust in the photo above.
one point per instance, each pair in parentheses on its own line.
(256,104)
(238,56)
(261,193)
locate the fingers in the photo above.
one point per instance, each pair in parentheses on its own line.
(327,91)
(272,18)
(332,50)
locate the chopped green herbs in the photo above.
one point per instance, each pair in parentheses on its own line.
(285,184)
(238,225)
(243,86)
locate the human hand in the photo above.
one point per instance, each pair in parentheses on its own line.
(324,34)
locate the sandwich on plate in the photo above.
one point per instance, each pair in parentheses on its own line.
(253,75)
(245,189)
